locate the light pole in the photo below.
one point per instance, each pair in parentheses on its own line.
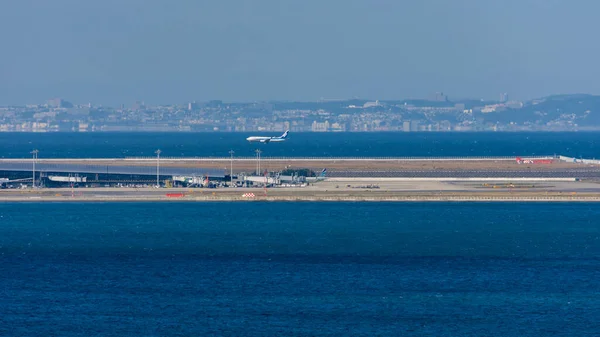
(35,156)
(157,167)
(231,152)
(258,151)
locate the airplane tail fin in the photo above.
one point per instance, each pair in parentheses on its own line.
(323,173)
(285,134)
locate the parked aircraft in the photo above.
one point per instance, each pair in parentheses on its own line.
(320,177)
(262,139)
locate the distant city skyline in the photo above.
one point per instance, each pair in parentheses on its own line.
(556,113)
(115,52)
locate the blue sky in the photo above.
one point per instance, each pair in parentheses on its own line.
(161,51)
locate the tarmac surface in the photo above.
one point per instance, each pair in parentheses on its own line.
(335,190)
(337,164)
(336,167)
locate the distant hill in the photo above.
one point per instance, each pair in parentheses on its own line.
(582,109)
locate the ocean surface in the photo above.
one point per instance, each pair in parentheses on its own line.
(393,144)
(299,269)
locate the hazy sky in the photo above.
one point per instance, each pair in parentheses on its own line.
(175,51)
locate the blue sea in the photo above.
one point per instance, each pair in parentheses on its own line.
(392,144)
(299,269)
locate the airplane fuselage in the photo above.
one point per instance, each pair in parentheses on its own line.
(262,139)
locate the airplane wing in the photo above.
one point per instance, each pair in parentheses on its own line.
(266,140)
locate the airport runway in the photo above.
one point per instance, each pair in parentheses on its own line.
(338,164)
(335,167)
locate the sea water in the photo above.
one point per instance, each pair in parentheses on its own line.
(308,144)
(299,269)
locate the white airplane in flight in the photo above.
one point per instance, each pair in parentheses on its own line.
(268,139)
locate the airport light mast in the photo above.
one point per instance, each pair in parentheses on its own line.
(231,152)
(258,152)
(157,167)
(35,156)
